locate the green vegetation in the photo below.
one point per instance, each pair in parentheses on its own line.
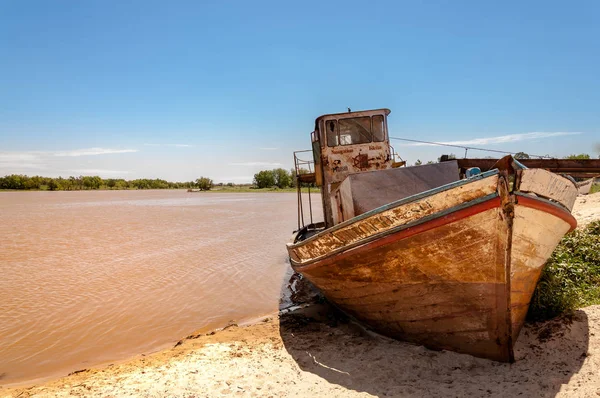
(277,178)
(595,188)
(444,158)
(244,188)
(580,156)
(264,179)
(23,182)
(571,278)
(204,183)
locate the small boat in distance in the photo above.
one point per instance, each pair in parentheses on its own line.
(419,255)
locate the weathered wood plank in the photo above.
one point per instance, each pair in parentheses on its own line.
(549,185)
(344,235)
(435,283)
(584,187)
(535,236)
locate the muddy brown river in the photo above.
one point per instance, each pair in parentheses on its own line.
(88,278)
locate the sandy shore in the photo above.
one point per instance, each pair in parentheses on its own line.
(317,352)
(587,209)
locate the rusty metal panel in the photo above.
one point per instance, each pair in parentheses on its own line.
(339,157)
(575,167)
(339,162)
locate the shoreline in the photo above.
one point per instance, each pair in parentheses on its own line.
(28,383)
(185,190)
(319,352)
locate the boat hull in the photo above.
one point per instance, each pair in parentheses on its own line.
(458,275)
(584,187)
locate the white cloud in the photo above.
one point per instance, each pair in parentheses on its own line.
(38,156)
(255,164)
(18,156)
(57,162)
(98,171)
(500,139)
(14,161)
(171,145)
(9,165)
(92,152)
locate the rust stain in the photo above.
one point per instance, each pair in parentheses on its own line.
(386,220)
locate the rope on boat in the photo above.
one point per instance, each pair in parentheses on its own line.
(466,148)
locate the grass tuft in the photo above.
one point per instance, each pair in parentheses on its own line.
(571,278)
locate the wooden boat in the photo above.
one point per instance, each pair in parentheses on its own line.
(585,186)
(452,266)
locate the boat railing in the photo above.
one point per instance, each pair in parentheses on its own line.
(305,174)
(305,169)
(397,161)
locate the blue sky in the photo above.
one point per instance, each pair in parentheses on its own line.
(223,89)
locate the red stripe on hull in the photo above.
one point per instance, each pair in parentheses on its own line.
(549,208)
(405,233)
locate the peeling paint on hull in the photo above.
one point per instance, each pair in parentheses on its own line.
(452,269)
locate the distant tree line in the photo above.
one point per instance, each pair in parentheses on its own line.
(523,155)
(19,181)
(279,178)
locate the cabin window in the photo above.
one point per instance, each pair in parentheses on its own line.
(358,130)
(355,131)
(332,132)
(378,129)
(314,136)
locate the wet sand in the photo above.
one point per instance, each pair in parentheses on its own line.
(316,351)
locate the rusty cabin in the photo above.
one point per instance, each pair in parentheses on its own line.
(343,144)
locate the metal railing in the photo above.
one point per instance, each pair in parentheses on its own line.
(299,163)
(395,156)
(300,166)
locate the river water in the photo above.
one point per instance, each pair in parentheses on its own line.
(91,277)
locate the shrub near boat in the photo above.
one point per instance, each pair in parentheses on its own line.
(571,277)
